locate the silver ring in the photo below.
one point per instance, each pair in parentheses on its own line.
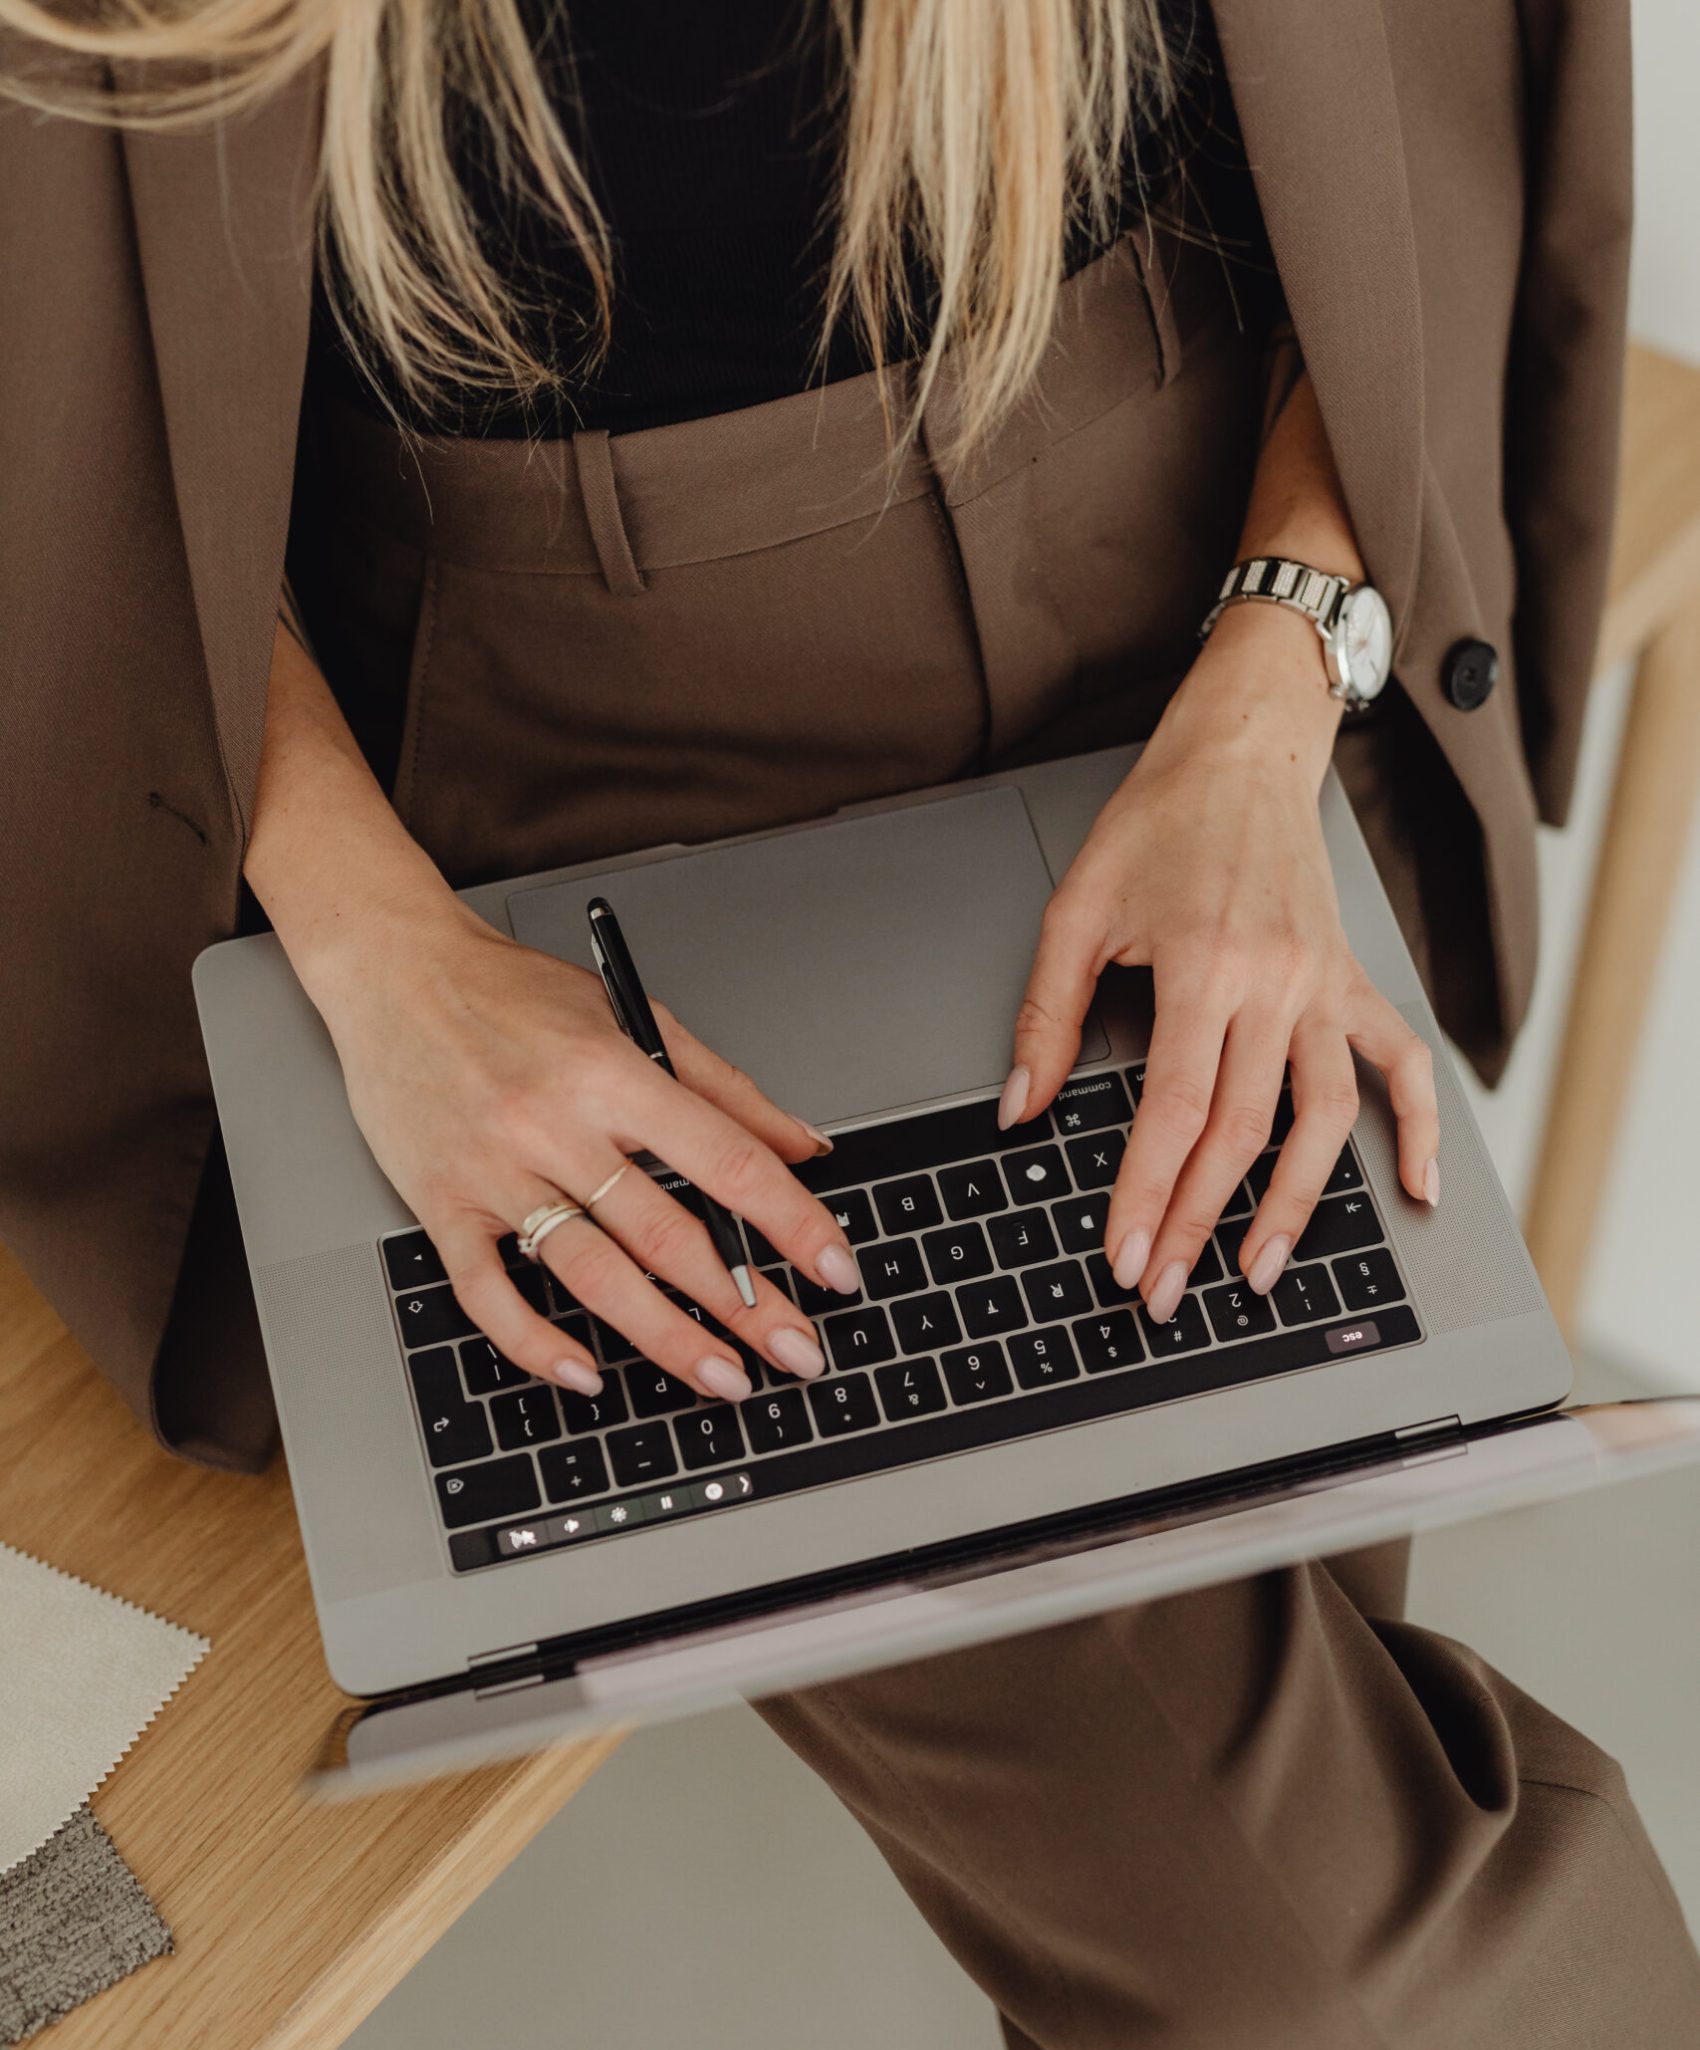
(590,1202)
(543,1221)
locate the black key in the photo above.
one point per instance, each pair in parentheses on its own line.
(1021,1237)
(527,1417)
(1096,1161)
(894,1267)
(1368,1279)
(911,1388)
(763,1252)
(576,1326)
(878,1152)
(1111,1340)
(655,1392)
(909,1205)
(1303,1294)
(412,1261)
(429,1316)
(485,1494)
(1042,1358)
(535,1286)
(1346,1175)
(1080,1223)
(986,1307)
(710,1437)
(1240,1204)
(486,1370)
(977,1373)
(958,1253)
(1340,1225)
(1206,1268)
(1059,1291)
(595,1412)
(776,1422)
(783,1280)
(842,1404)
(1036,1174)
(1258,1175)
(854,1215)
(1090,1104)
(1185,1331)
(1237,1311)
(641,1453)
(1283,1117)
(571,1472)
(814,1298)
(925,1323)
(975,1190)
(712,1327)
(455,1429)
(1105,1286)
(507,1247)
(859,1338)
(614,1346)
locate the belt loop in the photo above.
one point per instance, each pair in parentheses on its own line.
(602,509)
(1159,299)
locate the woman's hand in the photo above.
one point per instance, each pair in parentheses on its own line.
(486,1078)
(1208,865)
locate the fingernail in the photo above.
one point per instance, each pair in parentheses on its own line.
(1013,1101)
(1164,1299)
(837,1268)
(821,1142)
(721,1378)
(575,1374)
(797,1352)
(1266,1268)
(1431,1183)
(1131,1256)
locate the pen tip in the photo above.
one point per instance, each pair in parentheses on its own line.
(746,1287)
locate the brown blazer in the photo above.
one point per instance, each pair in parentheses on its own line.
(1447,189)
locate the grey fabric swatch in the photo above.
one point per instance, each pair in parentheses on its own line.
(73,1921)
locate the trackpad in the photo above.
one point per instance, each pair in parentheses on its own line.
(857,966)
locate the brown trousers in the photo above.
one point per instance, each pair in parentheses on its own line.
(1266,1815)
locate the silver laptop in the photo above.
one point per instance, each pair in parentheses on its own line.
(1002,1439)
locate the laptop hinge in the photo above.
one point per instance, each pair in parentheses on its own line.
(1434,1428)
(507,1653)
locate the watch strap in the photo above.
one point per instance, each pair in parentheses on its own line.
(1281,581)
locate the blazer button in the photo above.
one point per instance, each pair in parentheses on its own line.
(1470,671)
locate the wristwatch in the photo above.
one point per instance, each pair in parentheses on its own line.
(1352,620)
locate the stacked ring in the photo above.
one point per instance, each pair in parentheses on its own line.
(543,1221)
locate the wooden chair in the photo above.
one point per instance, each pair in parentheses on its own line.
(294,1919)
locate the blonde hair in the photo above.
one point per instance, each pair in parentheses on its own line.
(975,135)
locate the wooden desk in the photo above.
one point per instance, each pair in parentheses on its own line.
(293,1919)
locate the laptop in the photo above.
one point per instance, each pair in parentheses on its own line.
(1002,1438)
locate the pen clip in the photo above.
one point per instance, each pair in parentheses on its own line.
(608,988)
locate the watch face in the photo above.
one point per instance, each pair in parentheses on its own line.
(1363,639)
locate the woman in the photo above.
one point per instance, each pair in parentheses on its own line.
(695,424)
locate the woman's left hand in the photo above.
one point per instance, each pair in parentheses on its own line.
(1208,865)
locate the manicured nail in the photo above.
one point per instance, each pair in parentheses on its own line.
(1431,1183)
(1131,1256)
(1266,1268)
(1164,1299)
(721,1378)
(577,1375)
(822,1144)
(837,1268)
(797,1352)
(1013,1101)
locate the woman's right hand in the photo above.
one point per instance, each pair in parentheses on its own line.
(488,1078)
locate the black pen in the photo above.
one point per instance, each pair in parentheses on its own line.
(629,1002)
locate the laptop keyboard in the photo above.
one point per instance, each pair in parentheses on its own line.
(988,1312)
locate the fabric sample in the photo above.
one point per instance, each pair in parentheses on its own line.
(82,1674)
(73,1921)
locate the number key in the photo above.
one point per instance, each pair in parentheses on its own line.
(775,1422)
(1042,1358)
(842,1404)
(911,1388)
